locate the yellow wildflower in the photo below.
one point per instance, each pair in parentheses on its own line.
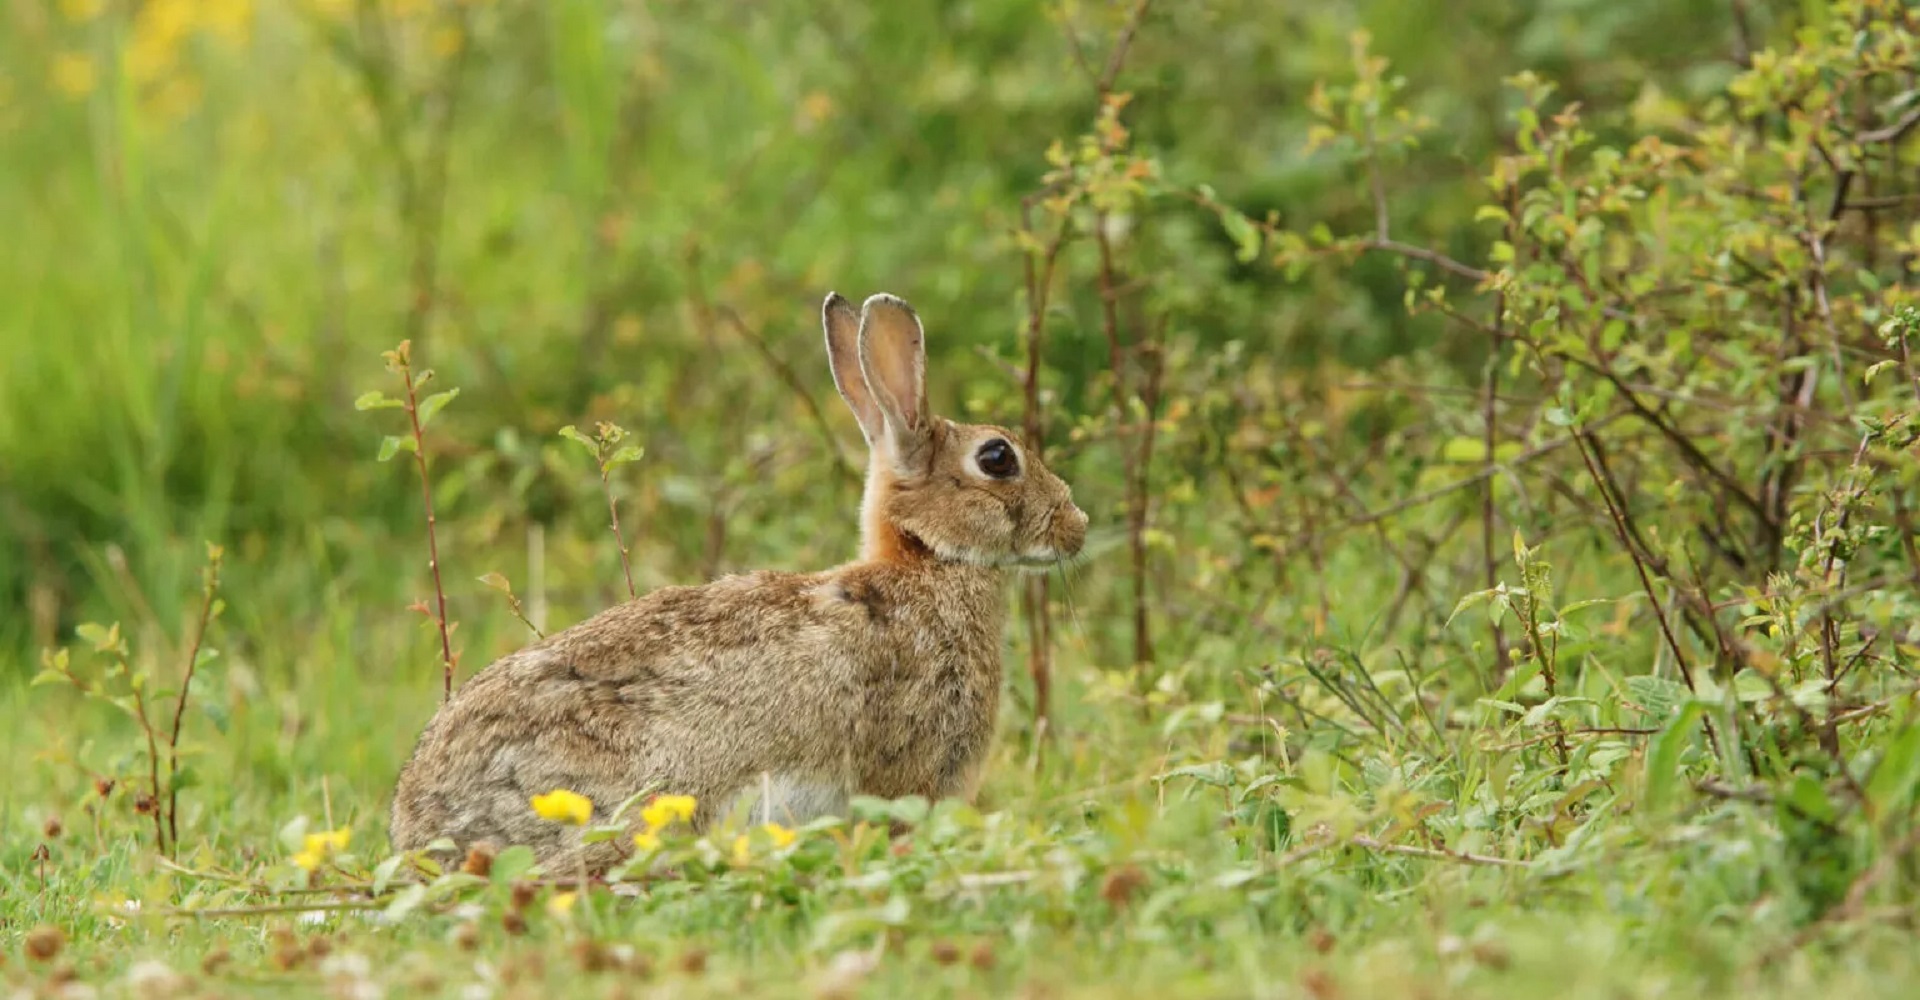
(780,835)
(648,842)
(742,851)
(562,903)
(329,841)
(318,847)
(563,806)
(665,809)
(73,74)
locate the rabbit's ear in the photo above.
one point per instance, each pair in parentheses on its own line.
(893,356)
(843,356)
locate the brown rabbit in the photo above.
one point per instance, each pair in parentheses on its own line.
(786,693)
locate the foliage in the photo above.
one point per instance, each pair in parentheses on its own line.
(1500,428)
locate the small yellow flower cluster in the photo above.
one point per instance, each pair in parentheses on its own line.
(159,32)
(778,835)
(661,813)
(318,847)
(563,806)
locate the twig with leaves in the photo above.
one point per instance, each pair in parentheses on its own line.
(420,413)
(610,449)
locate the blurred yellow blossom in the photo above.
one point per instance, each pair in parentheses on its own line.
(648,842)
(665,809)
(563,806)
(81,10)
(73,74)
(318,847)
(448,40)
(778,835)
(229,19)
(562,903)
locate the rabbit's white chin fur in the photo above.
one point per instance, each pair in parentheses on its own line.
(1032,561)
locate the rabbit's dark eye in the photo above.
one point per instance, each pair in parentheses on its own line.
(997,459)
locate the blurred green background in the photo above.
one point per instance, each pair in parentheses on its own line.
(221,212)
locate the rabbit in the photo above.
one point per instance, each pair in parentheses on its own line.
(776,693)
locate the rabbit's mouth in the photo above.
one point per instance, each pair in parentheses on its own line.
(1039,562)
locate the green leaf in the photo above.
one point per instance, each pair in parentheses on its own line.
(512,863)
(1657,695)
(1217,774)
(497,581)
(384,872)
(393,444)
(1875,369)
(1809,798)
(627,453)
(435,403)
(1464,450)
(1663,755)
(573,434)
(374,400)
(1896,773)
(1244,234)
(405,902)
(1477,597)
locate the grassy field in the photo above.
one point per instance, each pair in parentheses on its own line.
(1499,429)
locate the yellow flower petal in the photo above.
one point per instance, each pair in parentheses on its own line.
(327,842)
(648,842)
(742,852)
(563,806)
(562,903)
(307,860)
(73,74)
(665,809)
(780,835)
(81,10)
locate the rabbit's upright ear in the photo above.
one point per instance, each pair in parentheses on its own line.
(843,356)
(893,357)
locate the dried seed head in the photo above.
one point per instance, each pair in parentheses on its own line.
(1120,885)
(944,952)
(144,804)
(592,957)
(103,787)
(513,923)
(466,937)
(289,956)
(982,957)
(43,943)
(1319,985)
(479,861)
(1491,954)
(523,893)
(693,962)
(214,961)
(52,828)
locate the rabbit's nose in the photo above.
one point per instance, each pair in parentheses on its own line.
(1071,532)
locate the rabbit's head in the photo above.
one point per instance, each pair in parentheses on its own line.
(935,488)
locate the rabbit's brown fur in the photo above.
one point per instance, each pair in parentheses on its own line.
(792,691)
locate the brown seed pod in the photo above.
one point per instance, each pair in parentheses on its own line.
(479,861)
(43,943)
